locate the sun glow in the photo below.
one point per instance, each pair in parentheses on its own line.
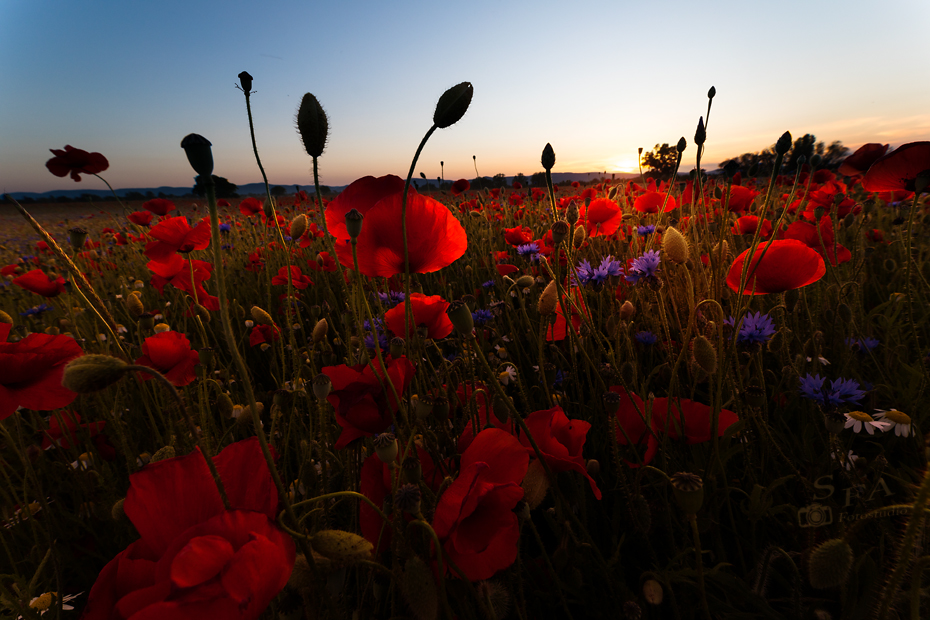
(626,164)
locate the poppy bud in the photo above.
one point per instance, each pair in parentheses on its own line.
(199,154)
(783,144)
(627,310)
(461,317)
(322,385)
(167,452)
(705,355)
(675,246)
(92,373)
(548,157)
(312,125)
(525,281)
(202,312)
(730,169)
(407,498)
(245,80)
(700,135)
(419,588)
(261,317)
(547,301)
(579,237)
(341,547)
(559,232)
(652,592)
(116,512)
(134,305)
(354,223)
(76,237)
(298,226)
(830,563)
(682,145)
(453,104)
(711,93)
(224,405)
(571,214)
(689,491)
(51,330)
(319,330)
(5,318)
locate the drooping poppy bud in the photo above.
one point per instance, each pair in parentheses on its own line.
(199,154)
(453,104)
(92,373)
(548,157)
(312,125)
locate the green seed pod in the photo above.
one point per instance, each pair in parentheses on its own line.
(830,564)
(461,317)
(343,548)
(92,373)
(386,447)
(354,220)
(312,125)
(689,491)
(322,385)
(453,104)
(76,237)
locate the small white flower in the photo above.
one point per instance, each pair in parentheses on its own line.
(900,421)
(509,374)
(856,420)
(46,601)
(849,461)
(824,361)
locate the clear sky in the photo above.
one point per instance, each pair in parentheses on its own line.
(597,79)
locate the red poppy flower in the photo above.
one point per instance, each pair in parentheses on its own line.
(176,271)
(518,236)
(194,559)
(630,417)
(31,369)
(808,235)
(859,162)
(264,333)
(474,518)
(459,187)
(298,279)
(376,484)
(176,235)
(362,406)
(75,162)
(486,417)
(251,206)
(671,412)
(429,311)
(170,354)
(158,206)
(37,282)
(601,217)
(435,238)
(748,224)
(506,270)
(741,198)
(141,218)
(323,262)
(361,195)
(560,441)
(788,264)
(898,169)
(559,329)
(651,202)
(67,436)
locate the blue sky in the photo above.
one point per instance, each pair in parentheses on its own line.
(597,79)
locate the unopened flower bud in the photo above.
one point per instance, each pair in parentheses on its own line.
(548,157)
(261,317)
(705,355)
(682,145)
(700,135)
(452,105)
(461,317)
(200,155)
(571,214)
(675,246)
(783,144)
(134,304)
(92,373)
(830,563)
(245,80)
(548,299)
(312,125)
(579,237)
(627,310)
(298,226)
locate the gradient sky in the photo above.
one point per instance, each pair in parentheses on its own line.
(597,79)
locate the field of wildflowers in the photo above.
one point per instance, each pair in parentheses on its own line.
(697,397)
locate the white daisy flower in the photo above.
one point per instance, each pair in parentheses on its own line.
(900,421)
(850,460)
(856,420)
(509,374)
(46,601)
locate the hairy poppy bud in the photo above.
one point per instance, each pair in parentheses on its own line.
(92,373)
(312,125)
(525,281)
(319,330)
(261,317)
(548,300)
(627,310)
(830,563)
(571,214)
(700,134)
(298,226)
(783,144)
(453,104)
(579,237)
(167,452)
(675,246)
(461,317)
(200,155)
(134,304)
(341,547)
(705,355)
(354,223)
(245,80)
(548,157)
(5,318)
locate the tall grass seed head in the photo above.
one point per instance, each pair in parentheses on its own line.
(312,125)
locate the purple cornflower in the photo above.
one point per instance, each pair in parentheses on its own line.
(756,327)
(481,316)
(865,344)
(587,274)
(646,338)
(391,298)
(644,266)
(528,249)
(840,390)
(645,231)
(488,284)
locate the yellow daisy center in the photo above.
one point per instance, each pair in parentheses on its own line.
(860,416)
(897,417)
(43,602)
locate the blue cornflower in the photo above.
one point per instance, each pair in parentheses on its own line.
(865,344)
(608,267)
(528,249)
(644,231)
(37,310)
(481,316)
(488,284)
(756,327)
(383,342)
(287,238)
(840,390)
(224,228)
(644,267)
(391,299)
(646,338)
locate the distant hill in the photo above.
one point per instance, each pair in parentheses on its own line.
(258,189)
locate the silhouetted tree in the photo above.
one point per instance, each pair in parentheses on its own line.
(538,179)
(278,190)
(520,178)
(499,180)
(224,189)
(661,160)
